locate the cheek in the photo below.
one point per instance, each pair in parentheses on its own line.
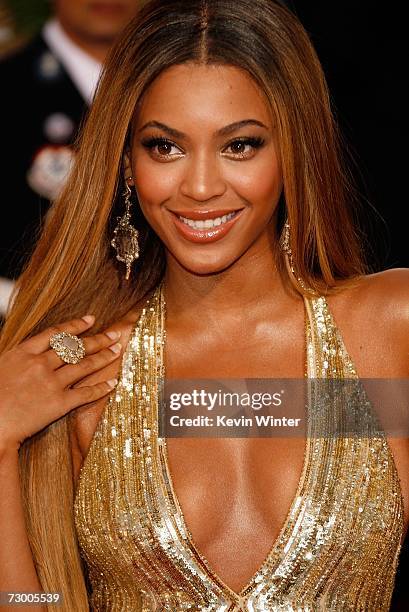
(259,182)
(154,182)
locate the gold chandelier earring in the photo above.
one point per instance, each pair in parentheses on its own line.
(125,240)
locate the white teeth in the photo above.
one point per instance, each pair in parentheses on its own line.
(208,223)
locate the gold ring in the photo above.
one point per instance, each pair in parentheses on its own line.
(68,347)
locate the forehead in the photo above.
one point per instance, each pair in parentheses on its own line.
(199,94)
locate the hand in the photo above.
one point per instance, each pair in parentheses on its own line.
(35,384)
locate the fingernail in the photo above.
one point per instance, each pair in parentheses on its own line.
(112,383)
(88,319)
(113,334)
(116,348)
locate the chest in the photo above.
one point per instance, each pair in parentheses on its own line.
(235,494)
(266,351)
(243,513)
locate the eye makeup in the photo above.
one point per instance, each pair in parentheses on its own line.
(160,147)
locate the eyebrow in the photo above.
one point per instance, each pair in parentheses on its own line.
(228,129)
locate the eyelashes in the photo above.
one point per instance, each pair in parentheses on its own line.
(254,142)
(159,143)
(161,147)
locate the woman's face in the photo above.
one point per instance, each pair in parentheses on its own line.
(203,149)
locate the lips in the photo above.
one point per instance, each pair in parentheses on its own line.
(205,235)
(197,215)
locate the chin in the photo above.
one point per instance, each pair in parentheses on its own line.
(205,268)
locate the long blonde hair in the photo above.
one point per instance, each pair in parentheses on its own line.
(73,270)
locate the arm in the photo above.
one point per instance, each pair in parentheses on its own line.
(36,389)
(18,572)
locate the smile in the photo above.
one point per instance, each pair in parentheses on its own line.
(210,229)
(208,223)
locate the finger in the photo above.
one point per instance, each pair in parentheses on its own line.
(41,342)
(70,374)
(92,345)
(85,395)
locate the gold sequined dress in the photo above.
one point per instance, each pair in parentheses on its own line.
(337,550)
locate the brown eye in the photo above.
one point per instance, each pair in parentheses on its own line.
(243,148)
(238,147)
(164,148)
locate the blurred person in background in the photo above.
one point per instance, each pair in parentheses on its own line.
(47,87)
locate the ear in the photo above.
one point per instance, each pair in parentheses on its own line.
(127,167)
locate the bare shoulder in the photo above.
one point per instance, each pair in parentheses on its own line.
(373,317)
(389,288)
(385,293)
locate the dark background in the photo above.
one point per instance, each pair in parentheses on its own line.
(363,47)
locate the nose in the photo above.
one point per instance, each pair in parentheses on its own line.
(203,179)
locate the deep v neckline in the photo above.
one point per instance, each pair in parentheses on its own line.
(278,545)
(135,541)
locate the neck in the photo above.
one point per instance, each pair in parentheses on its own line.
(97,49)
(245,290)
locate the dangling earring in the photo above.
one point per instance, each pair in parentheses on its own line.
(125,240)
(285,244)
(285,241)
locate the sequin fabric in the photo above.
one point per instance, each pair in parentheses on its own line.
(337,550)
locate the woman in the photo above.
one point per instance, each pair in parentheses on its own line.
(212,137)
